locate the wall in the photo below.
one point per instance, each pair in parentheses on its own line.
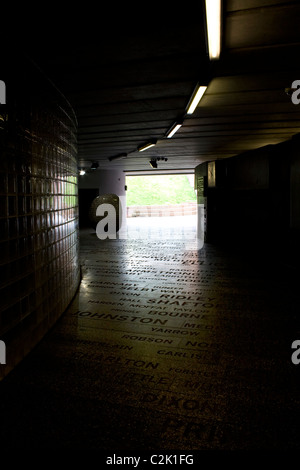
(39,264)
(294,245)
(106,181)
(252,200)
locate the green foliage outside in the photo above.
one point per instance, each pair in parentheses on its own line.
(159,189)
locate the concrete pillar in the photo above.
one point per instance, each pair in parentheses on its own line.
(201,188)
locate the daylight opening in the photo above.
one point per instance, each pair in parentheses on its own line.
(160,195)
(164,204)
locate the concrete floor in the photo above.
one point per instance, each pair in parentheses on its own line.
(165,347)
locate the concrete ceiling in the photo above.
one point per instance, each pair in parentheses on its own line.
(128,82)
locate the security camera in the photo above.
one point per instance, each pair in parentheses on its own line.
(153,163)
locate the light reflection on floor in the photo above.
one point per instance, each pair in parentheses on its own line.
(164,347)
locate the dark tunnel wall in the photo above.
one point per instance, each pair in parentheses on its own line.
(39,267)
(252,200)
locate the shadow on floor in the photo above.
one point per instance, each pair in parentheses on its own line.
(165,347)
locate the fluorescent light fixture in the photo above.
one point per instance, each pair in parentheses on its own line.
(197,95)
(147,146)
(174,129)
(82,172)
(213,22)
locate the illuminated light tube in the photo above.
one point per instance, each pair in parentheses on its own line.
(196,99)
(213,21)
(174,129)
(147,146)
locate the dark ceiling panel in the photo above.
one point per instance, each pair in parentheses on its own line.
(263,26)
(129,81)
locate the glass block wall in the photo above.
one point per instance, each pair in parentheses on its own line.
(39,267)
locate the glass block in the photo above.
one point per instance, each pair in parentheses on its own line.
(38,251)
(12,227)
(21,205)
(3,183)
(12,205)
(11,183)
(13,249)
(29,221)
(3,229)
(3,206)
(21,184)
(22,226)
(28,185)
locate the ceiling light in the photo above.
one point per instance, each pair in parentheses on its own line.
(94,166)
(196,97)
(147,146)
(213,22)
(82,172)
(174,129)
(118,157)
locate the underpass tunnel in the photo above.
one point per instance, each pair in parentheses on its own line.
(158,336)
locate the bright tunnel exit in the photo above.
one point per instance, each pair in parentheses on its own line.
(161,206)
